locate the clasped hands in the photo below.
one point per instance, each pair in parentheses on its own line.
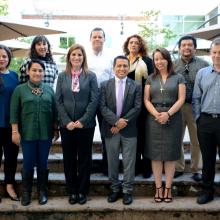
(120,124)
(72,125)
(162,117)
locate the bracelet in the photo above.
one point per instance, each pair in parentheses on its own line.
(14,131)
(169,114)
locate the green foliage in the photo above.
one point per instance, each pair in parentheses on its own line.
(151,30)
(15,64)
(3,7)
(66,42)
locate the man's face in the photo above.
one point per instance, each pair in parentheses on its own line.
(187,48)
(97,40)
(215,55)
(121,68)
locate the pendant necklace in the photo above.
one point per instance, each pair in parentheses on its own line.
(36,90)
(161,87)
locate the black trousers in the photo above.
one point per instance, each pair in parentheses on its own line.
(77,154)
(209,139)
(143,164)
(104,153)
(10,151)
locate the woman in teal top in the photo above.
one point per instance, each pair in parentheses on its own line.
(8,82)
(33,119)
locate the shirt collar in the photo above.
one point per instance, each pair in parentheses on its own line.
(123,80)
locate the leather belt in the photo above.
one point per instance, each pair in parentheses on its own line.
(162,104)
(211,115)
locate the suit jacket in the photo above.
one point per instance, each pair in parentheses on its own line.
(130,110)
(73,106)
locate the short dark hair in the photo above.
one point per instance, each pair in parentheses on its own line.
(120,57)
(36,61)
(188,37)
(97,29)
(8,51)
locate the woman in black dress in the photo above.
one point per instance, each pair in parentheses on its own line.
(141,66)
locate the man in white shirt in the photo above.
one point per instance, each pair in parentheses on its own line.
(100,62)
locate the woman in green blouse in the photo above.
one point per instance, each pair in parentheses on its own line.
(33,120)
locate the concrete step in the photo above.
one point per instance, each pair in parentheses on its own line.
(55,162)
(97,208)
(182,186)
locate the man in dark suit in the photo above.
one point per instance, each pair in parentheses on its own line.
(120,105)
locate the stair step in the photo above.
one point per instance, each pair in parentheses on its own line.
(182,186)
(97,208)
(55,162)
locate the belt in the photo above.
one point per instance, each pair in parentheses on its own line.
(211,115)
(162,104)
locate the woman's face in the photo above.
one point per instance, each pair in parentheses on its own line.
(36,73)
(160,62)
(41,48)
(76,59)
(134,45)
(3,60)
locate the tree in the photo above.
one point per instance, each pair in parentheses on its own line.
(3,7)
(153,32)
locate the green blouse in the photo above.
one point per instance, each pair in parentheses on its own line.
(34,114)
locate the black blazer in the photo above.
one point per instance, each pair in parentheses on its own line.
(80,105)
(130,110)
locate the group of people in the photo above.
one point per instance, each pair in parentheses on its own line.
(143,106)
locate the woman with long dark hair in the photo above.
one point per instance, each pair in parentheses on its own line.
(41,50)
(8,82)
(164,95)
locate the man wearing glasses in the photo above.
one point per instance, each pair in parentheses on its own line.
(188,65)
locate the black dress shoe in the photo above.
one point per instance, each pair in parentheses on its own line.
(114,196)
(82,199)
(127,199)
(177,174)
(197,177)
(73,199)
(204,198)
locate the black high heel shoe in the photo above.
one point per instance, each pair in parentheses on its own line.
(13,198)
(157,197)
(167,199)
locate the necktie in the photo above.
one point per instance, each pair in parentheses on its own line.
(120,98)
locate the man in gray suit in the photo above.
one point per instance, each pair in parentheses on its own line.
(120,105)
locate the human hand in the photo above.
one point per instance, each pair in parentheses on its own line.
(163,118)
(78,124)
(16,138)
(114,130)
(121,123)
(70,126)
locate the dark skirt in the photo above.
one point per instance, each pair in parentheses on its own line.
(163,142)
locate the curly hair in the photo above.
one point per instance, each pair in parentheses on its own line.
(143,50)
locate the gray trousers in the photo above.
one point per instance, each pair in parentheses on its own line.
(127,146)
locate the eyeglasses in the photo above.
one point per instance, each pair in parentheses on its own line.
(186,68)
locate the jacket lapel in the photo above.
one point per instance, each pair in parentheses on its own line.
(113,93)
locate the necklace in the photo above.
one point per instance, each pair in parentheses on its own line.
(35,91)
(161,87)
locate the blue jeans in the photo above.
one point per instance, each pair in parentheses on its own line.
(35,153)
